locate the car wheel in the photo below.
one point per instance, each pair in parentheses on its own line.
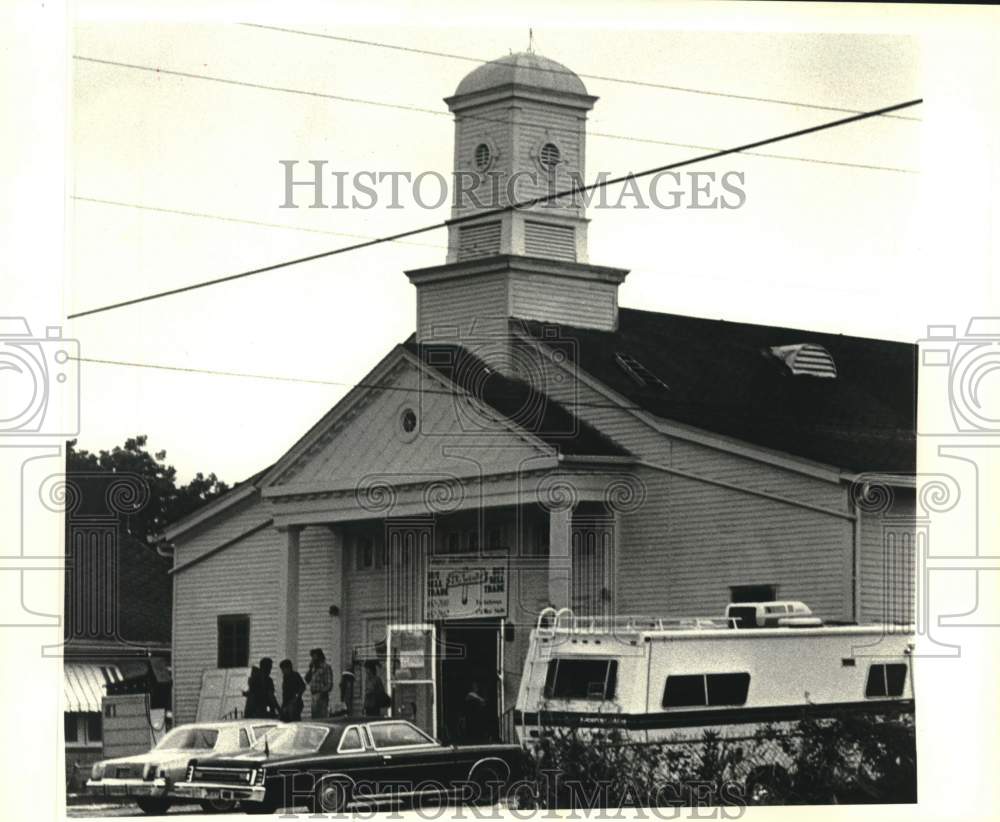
(332,795)
(218,805)
(153,805)
(489,783)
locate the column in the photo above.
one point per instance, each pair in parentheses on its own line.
(560,559)
(288,596)
(338,604)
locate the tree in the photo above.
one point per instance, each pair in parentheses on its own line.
(167,501)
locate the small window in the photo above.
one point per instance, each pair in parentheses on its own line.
(700,690)
(591,679)
(549,156)
(885,680)
(753,593)
(364,553)
(234,641)
(70,727)
(483,156)
(408,421)
(396,735)
(351,741)
(95,733)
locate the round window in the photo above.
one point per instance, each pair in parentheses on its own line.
(408,421)
(483,157)
(549,156)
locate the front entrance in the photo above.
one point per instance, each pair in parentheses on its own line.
(471,681)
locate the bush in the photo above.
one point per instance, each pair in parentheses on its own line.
(849,758)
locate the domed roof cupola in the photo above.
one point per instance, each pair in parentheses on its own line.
(520,134)
(522,69)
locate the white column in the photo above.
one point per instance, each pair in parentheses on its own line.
(560,559)
(288,596)
(338,591)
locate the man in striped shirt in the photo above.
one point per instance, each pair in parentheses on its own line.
(320,679)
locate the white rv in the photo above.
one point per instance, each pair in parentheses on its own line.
(658,678)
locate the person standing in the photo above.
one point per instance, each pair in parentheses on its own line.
(292,688)
(376,697)
(320,679)
(261,702)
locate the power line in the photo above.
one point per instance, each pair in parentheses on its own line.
(436,112)
(602,77)
(226,219)
(504,209)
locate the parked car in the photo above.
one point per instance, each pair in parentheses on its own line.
(150,778)
(328,765)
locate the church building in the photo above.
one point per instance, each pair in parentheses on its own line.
(535,444)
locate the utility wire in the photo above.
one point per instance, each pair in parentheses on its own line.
(605,78)
(504,209)
(439,113)
(225,219)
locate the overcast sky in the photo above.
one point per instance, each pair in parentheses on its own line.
(816,246)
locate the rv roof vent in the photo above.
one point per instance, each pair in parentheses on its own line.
(777,614)
(806,359)
(640,375)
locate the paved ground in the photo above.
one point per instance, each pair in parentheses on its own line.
(123,810)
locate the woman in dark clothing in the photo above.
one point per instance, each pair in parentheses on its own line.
(261,702)
(375,696)
(292,688)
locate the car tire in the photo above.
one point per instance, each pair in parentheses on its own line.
(153,805)
(218,805)
(489,782)
(332,795)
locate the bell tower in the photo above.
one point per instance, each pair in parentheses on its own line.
(520,134)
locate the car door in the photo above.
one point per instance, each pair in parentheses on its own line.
(410,760)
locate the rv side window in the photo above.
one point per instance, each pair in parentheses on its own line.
(885,680)
(581,679)
(699,690)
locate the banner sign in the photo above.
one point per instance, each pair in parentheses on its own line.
(455,590)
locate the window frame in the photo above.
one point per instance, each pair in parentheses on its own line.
(610,678)
(231,620)
(885,680)
(361,740)
(429,741)
(706,700)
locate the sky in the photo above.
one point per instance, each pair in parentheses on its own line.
(816,245)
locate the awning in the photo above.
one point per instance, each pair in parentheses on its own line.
(84,685)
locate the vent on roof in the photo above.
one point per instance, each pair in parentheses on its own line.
(479,240)
(549,240)
(806,359)
(640,375)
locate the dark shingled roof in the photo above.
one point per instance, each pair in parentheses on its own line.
(722,378)
(516,400)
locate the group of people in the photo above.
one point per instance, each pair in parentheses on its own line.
(262,702)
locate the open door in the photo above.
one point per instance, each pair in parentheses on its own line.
(411,674)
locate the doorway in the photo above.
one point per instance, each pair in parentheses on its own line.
(470,659)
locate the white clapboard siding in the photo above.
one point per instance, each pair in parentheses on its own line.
(232,524)
(888,561)
(558,299)
(239,580)
(444,307)
(317,587)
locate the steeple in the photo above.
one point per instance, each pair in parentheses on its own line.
(520,134)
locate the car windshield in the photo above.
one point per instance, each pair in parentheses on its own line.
(182,739)
(290,739)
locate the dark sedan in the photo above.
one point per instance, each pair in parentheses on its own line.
(328,765)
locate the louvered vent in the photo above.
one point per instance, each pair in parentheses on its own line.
(479,240)
(806,359)
(556,242)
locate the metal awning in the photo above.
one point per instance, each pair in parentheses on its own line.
(84,685)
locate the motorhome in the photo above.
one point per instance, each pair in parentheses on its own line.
(657,678)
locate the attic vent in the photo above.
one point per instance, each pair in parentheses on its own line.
(479,240)
(641,375)
(548,240)
(806,359)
